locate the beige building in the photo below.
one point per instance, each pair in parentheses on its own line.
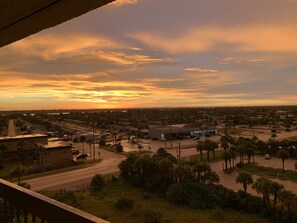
(54,154)
(21,145)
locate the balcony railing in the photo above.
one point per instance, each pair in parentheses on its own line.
(20,205)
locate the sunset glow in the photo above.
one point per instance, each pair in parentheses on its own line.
(167,53)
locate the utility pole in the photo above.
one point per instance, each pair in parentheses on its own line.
(171,136)
(179,153)
(94,141)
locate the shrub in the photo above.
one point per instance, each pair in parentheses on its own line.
(151,216)
(119,147)
(97,182)
(67,197)
(200,196)
(124,203)
(175,193)
(25,185)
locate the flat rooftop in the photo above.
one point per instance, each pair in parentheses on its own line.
(22,136)
(56,144)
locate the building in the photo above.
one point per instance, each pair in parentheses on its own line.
(54,154)
(21,145)
(182,131)
(38,148)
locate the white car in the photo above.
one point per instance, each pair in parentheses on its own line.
(267,156)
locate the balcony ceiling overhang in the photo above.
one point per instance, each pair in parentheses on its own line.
(22,18)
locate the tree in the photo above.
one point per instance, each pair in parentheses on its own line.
(250,153)
(83,139)
(3,149)
(275,190)
(102,140)
(17,172)
(227,156)
(211,177)
(97,182)
(261,147)
(140,147)
(245,179)
(200,147)
(289,200)
(183,174)
(225,145)
(263,186)
(273,135)
(241,150)
(283,154)
(213,146)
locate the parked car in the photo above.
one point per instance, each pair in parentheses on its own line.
(267,156)
(82,157)
(75,151)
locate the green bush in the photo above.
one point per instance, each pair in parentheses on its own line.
(97,182)
(151,216)
(25,185)
(67,197)
(175,193)
(124,203)
(200,196)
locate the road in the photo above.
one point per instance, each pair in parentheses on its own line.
(110,162)
(78,177)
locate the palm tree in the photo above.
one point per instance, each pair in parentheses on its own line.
(273,135)
(283,154)
(213,146)
(261,146)
(289,200)
(241,150)
(201,169)
(227,156)
(17,172)
(200,147)
(211,177)
(225,145)
(140,147)
(245,179)
(250,153)
(263,186)
(83,140)
(275,190)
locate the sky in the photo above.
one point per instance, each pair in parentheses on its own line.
(149,53)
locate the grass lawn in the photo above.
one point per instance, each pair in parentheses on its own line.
(271,172)
(102,204)
(8,165)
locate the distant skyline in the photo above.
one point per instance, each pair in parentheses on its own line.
(148,53)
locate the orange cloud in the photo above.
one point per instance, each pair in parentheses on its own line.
(123,2)
(51,47)
(276,38)
(200,70)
